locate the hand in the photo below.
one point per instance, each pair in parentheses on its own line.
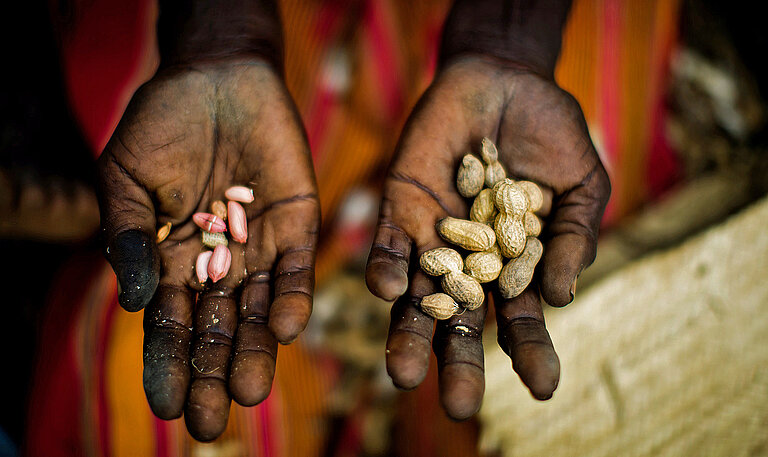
(541,136)
(186,136)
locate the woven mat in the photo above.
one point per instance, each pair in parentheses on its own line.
(666,357)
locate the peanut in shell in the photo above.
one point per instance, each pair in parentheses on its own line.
(470,177)
(464,289)
(510,198)
(439,261)
(440,306)
(494,171)
(518,272)
(534,194)
(510,235)
(484,266)
(483,208)
(532,224)
(470,235)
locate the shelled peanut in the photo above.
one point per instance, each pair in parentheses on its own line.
(502,225)
(214,264)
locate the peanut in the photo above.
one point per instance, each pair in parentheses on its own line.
(448,263)
(494,172)
(440,306)
(163,232)
(470,235)
(470,177)
(464,289)
(201,265)
(510,198)
(484,266)
(534,194)
(512,204)
(238,224)
(532,224)
(213,239)
(219,263)
(439,261)
(483,208)
(209,222)
(518,272)
(219,209)
(240,194)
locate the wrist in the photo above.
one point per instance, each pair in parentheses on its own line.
(523,33)
(213,30)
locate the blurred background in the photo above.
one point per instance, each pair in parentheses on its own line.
(664,351)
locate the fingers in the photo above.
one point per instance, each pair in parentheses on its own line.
(410,336)
(459,349)
(296,229)
(167,337)
(386,272)
(572,236)
(128,223)
(524,338)
(253,363)
(207,408)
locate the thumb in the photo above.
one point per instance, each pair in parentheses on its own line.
(128,229)
(572,236)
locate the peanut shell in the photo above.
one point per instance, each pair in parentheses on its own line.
(510,235)
(213,239)
(439,261)
(494,172)
(163,232)
(470,177)
(488,151)
(440,306)
(470,235)
(534,194)
(532,224)
(464,289)
(484,266)
(219,209)
(483,208)
(517,273)
(510,198)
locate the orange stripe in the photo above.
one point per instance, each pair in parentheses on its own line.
(132,422)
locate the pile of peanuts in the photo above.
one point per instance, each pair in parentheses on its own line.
(502,225)
(215,264)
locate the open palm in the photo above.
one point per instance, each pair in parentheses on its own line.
(187,136)
(542,137)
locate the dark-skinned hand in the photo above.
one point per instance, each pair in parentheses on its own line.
(541,136)
(188,135)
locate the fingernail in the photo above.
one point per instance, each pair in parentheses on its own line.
(573,289)
(209,222)
(238,225)
(201,265)
(219,264)
(136,266)
(239,194)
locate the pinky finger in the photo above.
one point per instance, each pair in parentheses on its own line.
(524,338)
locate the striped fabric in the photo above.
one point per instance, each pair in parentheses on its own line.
(355,69)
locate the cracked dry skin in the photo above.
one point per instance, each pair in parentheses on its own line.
(186,137)
(541,136)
